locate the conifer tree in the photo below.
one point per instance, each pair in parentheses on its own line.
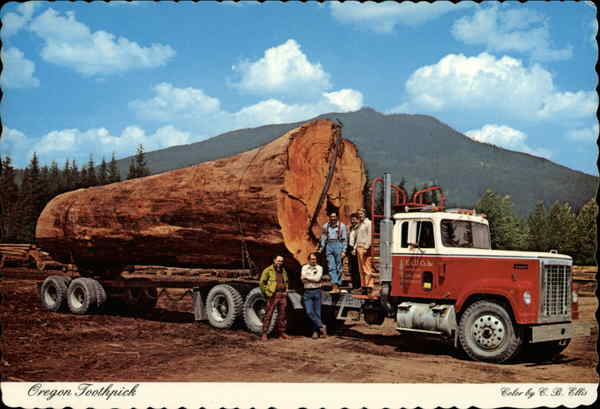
(137,166)
(113,171)
(507,231)
(91,178)
(9,197)
(586,234)
(561,228)
(538,229)
(103,172)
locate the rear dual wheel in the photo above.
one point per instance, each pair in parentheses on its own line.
(85,296)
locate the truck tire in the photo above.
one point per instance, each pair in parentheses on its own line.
(223,306)
(254,311)
(53,292)
(487,333)
(81,296)
(100,295)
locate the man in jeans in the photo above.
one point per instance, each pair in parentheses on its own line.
(311,278)
(333,240)
(274,285)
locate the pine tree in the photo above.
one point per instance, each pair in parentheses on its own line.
(113,171)
(537,223)
(507,231)
(561,228)
(75,176)
(91,178)
(67,177)
(9,197)
(31,201)
(586,234)
(103,172)
(55,183)
(137,166)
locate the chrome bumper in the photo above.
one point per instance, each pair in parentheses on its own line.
(552,332)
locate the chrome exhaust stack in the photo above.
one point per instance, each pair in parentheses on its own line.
(385,245)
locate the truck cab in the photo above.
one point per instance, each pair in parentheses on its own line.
(440,276)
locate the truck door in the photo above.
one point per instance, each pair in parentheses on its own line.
(417,266)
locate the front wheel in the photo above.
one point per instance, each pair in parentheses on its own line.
(487,333)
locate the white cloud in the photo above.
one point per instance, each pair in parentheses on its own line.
(76,144)
(17,71)
(383,17)
(505,137)
(72,44)
(194,109)
(170,102)
(509,29)
(345,99)
(12,23)
(283,70)
(584,134)
(503,86)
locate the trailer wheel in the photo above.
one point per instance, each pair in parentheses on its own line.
(81,296)
(53,292)
(254,311)
(487,333)
(100,295)
(223,306)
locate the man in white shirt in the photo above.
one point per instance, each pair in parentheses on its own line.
(362,245)
(311,278)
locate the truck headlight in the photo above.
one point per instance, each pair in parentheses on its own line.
(526,297)
(574,296)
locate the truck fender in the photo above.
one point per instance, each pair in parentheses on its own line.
(510,291)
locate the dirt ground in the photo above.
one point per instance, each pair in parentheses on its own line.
(167,345)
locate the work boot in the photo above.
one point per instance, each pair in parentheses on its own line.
(284,336)
(315,335)
(323,332)
(335,289)
(263,337)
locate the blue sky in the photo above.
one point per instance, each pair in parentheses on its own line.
(98,78)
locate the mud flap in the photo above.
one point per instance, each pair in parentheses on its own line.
(198,305)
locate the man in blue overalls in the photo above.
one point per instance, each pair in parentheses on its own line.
(334,240)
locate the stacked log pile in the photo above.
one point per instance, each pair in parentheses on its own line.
(27,255)
(584,279)
(233,212)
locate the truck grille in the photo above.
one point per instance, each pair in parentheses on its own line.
(556,291)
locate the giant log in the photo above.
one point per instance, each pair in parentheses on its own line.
(226,213)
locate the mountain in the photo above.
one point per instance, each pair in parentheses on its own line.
(418,148)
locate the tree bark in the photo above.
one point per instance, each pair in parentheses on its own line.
(208,215)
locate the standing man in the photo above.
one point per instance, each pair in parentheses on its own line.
(333,240)
(274,285)
(311,278)
(351,252)
(362,246)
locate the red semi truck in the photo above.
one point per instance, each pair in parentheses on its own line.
(438,276)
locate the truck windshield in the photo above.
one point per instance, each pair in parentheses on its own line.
(461,233)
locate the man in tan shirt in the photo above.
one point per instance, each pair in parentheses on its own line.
(361,247)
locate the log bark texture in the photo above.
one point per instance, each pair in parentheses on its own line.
(207,215)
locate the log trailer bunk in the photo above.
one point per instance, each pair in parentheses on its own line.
(437,273)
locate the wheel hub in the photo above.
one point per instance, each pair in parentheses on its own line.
(489,331)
